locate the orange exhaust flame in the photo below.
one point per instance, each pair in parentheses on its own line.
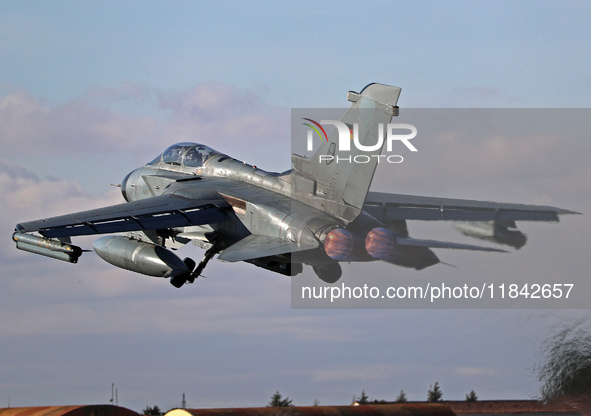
(339,244)
(380,243)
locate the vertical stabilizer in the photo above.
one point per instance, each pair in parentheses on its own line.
(337,178)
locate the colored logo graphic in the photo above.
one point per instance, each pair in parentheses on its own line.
(317,128)
(348,136)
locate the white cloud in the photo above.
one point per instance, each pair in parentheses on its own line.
(131,118)
(29,125)
(100,136)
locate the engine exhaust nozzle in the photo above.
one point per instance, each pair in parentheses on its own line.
(339,244)
(380,242)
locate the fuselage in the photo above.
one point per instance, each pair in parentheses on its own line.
(260,201)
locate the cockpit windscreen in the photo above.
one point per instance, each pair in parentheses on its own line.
(191,155)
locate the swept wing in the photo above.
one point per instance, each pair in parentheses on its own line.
(165,211)
(385,206)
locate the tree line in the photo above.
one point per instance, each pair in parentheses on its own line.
(434,395)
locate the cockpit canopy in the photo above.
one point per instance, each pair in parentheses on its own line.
(191,155)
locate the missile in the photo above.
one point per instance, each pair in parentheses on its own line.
(140,257)
(47,247)
(495,231)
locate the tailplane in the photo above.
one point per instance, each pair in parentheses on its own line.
(337,178)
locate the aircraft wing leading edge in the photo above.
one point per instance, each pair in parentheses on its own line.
(410,207)
(165,211)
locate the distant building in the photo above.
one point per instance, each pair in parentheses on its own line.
(93,410)
(510,407)
(504,408)
(419,409)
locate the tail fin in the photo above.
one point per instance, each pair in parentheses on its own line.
(337,178)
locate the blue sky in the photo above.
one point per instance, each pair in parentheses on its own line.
(299,54)
(90,91)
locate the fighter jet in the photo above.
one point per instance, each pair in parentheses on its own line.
(319,214)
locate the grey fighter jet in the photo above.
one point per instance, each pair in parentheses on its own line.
(320,213)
